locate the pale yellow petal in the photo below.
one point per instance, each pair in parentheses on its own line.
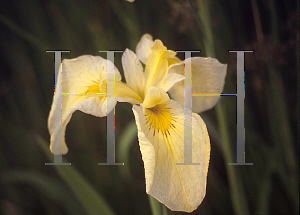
(96,106)
(79,79)
(155,96)
(161,139)
(157,64)
(133,72)
(81,73)
(122,92)
(143,49)
(174,60)
(56,128)
(169,80)
(208,77)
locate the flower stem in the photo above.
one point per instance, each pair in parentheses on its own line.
(237,191)
(204,24)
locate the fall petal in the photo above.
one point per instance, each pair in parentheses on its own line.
(161,139)
(79,81)
(208,77)
(97,106)
(155,96)
(81,73)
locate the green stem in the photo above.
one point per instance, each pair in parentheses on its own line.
(156,207)
(238,196)
(237,191)
(204,24)
(88,196)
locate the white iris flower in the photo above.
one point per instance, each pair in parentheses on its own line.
(159,119)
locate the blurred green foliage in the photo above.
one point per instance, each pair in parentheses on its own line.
(28,28)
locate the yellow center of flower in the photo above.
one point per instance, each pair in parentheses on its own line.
(160,119)
(94,89)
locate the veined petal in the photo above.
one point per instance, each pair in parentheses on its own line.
(161,139)
(143,48)
(133,72)
(155,96)
(157,64)
(79,80)
(80,74)
(208,77)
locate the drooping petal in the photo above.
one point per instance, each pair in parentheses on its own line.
(143,48)
(208,77)
(78,88)
(155,96)
(161,139)
(84,72)
(133,72)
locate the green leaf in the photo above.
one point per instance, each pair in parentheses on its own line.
(124,146)
(51,188)
(90,199)
(156,207)
(30,38)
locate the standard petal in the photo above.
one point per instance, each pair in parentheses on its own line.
(208,77)
(161,139)
(157,64)
(143,48)
(79,80)
(133,71)
(155,96)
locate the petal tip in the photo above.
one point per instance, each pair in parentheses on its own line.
(54,150)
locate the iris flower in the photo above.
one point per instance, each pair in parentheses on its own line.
(159,119)
(78,87)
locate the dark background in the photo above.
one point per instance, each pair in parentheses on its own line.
(28,28)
